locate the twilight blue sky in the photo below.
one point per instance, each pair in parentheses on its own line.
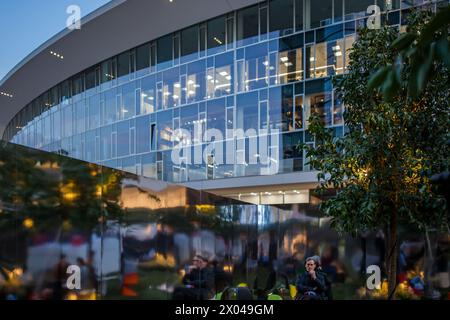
(26,24)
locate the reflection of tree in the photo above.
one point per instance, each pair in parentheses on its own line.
(42,190)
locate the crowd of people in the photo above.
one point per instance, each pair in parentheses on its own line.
(200,281)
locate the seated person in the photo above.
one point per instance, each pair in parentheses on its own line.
(199,281)
(311,284)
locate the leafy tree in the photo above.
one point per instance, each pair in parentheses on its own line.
(418,48)
(381,167)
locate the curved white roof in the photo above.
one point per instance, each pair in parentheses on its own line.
(110,30)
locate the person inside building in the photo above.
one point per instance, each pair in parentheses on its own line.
(198,281)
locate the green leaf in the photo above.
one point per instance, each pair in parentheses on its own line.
(424,69)
(441,20)
(378,77)
(390,86)
(443,50)
(403,41)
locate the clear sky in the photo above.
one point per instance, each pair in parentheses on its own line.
(26,24)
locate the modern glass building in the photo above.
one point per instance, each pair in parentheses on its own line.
(214,95)
(259,66)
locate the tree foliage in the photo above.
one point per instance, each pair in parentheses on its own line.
(382,165)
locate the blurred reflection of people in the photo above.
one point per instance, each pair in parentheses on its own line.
(198,281)
(60,274)
(380,245)
(311,284)
(85,274)
(441,262)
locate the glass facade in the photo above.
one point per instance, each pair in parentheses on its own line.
(134,238)
(263,69)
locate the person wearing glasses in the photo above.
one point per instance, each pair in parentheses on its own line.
(198,281)
(311,284)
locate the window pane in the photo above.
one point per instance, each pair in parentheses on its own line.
(281,108)
(105,141)
(247,25)
(80,109)
(128,108)
(142,134)
(148,95)
(164,45)
(108,71)
(123,138)
(90,79)
(165,131)
(149,166)
(110,111)
(224,75)
(171,88)
(336,56)
(247,111)
(196,81)
(188,119)
(320,104)
(143,57)
(189,41)
(94,112)
(318,13)
(281,18)
(216,116)
(77,85)
(321,66)
(298,116)
(298,15)
(291,66)
(216,33)
(338,10)
(256,67)
(356,8)
(123,64)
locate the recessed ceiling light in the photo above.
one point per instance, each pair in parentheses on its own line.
(60,56)
(6,94)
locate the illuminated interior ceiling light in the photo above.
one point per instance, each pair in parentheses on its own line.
(217,40)
(177,85)
(266,63)
(337,48)
(284,59)
(175,96)
(288,64)
(209,77)
(338,54)
(228,78)
(191,82)
(312,59)
(223,73)
(6,94)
